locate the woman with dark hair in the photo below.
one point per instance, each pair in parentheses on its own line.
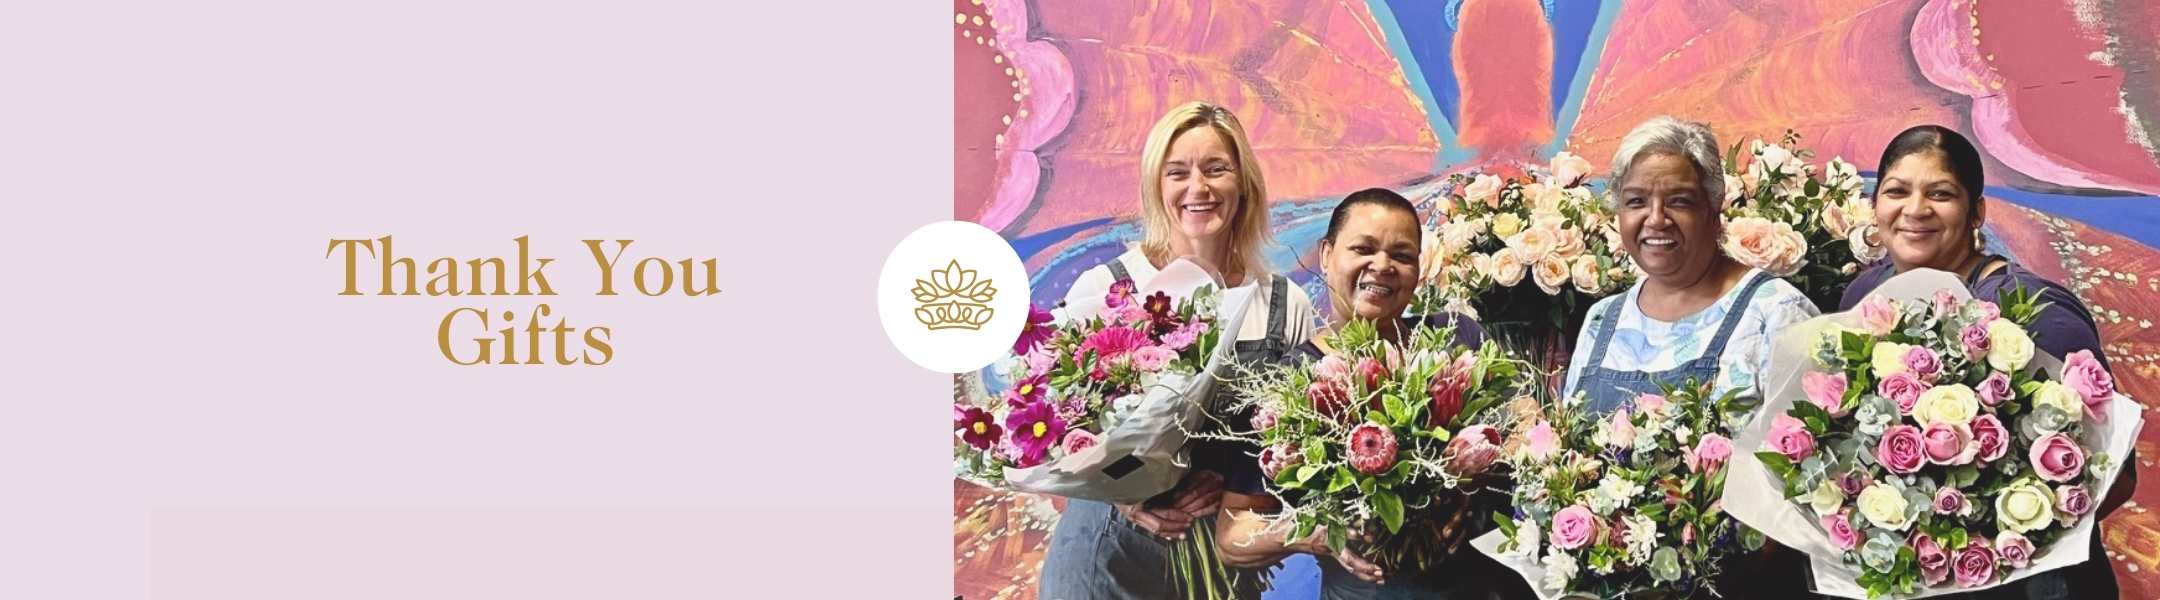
(1369,260)
(1928,213)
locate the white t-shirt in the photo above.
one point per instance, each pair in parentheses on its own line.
(1641,343)
(1086,296)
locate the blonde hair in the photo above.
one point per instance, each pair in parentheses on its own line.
(1249,231)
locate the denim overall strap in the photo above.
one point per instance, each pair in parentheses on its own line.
(1733,315)
(1605,330)
(1118,271)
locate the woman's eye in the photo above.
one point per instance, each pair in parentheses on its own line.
(1218,170)
(1633,201)
(1404,258)
(1362,249)
(1176,174)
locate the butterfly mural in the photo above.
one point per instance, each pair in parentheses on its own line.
(1052,101)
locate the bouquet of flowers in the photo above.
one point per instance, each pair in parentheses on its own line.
(1521,254)
(1626,504)
(1927,448)
(1099,404)
(1380,442)
(1807,225)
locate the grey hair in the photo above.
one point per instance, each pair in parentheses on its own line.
(1666,135)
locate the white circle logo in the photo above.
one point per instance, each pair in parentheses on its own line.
(953,296)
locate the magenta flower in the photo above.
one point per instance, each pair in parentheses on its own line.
(1035,429)
(1035,331)
(2057,458)
(1372,448)
(1113,343)
(976,426)
(1029,390)
(1121,293)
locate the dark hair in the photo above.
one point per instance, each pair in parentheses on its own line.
(1374,196)
(1963,158)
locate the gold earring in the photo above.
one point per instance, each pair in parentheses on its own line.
(1979,243)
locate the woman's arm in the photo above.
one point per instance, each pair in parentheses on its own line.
(1241,535)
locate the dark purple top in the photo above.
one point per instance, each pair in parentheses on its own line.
(2063,326)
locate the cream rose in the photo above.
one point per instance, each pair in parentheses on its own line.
(1954,404)
(1884,507)
(1568,242)
(1551,274)
(1889,359)
(1734,189)
(1764,244)
(1506,225)
(1827,499)
(2009,348)
(1485,189)
(1507,268)
(1569,169)
(1532,245)
(2055,394)
(1544,199)
(2024,506)
(1586,275)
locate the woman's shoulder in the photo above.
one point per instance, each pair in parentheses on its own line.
(2013,277)
(1866,281)
(1779,294)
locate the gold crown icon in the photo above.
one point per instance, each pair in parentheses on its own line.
(953,298)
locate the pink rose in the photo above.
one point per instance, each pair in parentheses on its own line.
(1934,563)
(1710,453)
(1949,501)
(1878,314)
(2016,550)
(2073,500)
(1329,399)
(1995,389)
(1153,358)
(1573,527)
(1988,311)
(1903,388)
(1945,303)
(1276,459)
(1473,450)
(1540,442)
(1372,448)
(1826,391)
(1949,444)
(1924,363)
(1332,367)
(1976,341)
(1900,450)
(1648,403)
(1975,565)
(1841,530)
(1372,372)
(1992,439)
(1079,439)
(2057,458)
(2085,375)
(1790,437)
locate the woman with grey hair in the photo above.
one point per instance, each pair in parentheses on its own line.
(1695,313)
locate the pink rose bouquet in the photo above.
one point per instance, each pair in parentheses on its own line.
(1948,459)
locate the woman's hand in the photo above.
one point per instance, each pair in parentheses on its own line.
(1199,495)
(1316,545)
(1166,523)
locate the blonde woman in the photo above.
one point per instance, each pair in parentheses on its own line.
(1202,199)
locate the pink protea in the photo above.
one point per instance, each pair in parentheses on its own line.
(1329,399)
(1372,372)
(1372,448)
(1446,391)
(1276,459)
(1473,450)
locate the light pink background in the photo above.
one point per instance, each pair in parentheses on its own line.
(190,411)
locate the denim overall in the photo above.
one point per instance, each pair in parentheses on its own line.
(1610,389)
(1096,553)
